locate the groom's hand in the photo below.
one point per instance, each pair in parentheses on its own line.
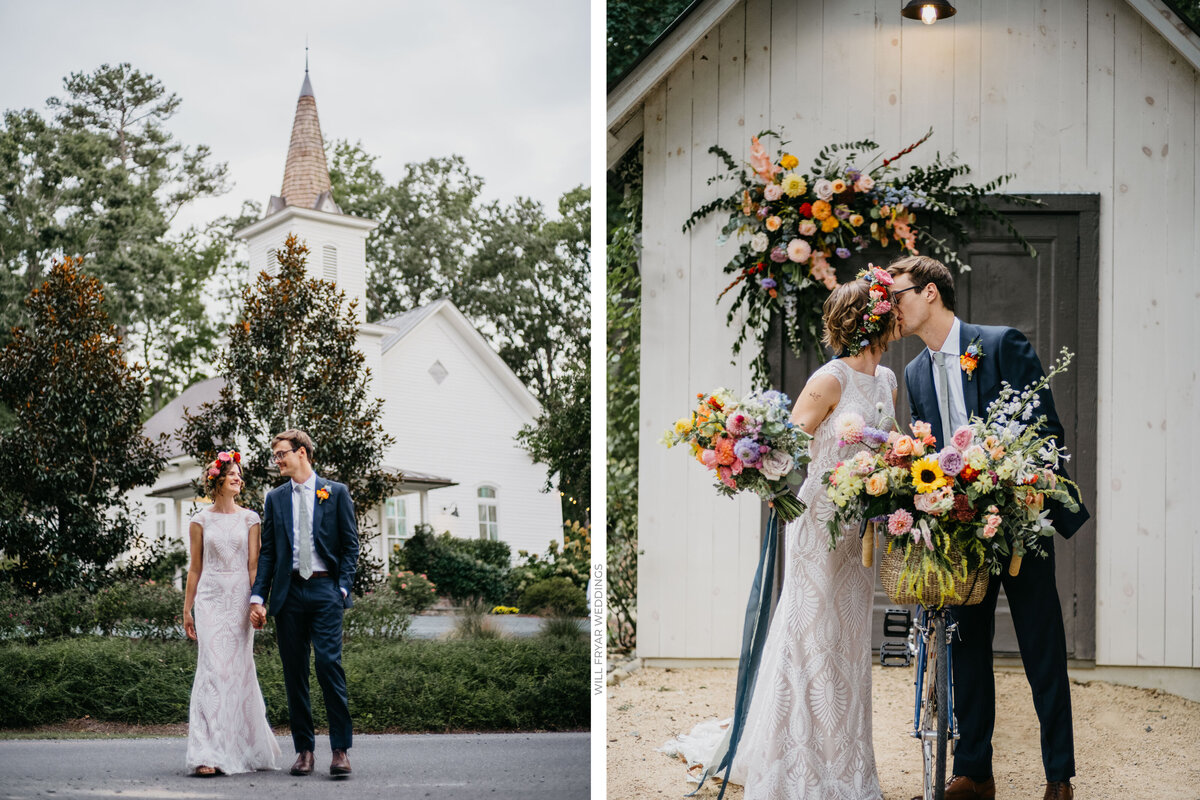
(258,616)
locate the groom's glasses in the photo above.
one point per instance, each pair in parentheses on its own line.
(280,455)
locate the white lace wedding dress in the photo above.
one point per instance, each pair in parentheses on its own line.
(808,730)
(227,720)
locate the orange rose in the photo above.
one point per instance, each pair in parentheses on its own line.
(903,446)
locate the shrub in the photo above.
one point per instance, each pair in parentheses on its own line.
(147,609)
(554,595)
(563,626)
(394,685)
(417,592)
(455,571)
(573,562)
(496,553)
(380,614)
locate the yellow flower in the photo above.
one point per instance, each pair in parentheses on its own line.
(856,219)
(830,224)
(927,475)
(793,185)
(789,161)
(839,186)
(683,425)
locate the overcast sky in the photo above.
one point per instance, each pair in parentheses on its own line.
(504,84)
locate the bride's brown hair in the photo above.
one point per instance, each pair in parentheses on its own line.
(842,314)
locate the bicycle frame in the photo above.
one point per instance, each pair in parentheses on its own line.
(927,652)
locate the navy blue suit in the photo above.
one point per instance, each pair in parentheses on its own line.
(309,612)
(1032,595)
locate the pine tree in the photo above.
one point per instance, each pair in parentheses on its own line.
(76,446)
(292,362)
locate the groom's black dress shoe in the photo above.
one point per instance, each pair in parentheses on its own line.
(340,765)
(304,763)
(960,787)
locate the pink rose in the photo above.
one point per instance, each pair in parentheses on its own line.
(877,484)
(921,430)
(773,191)
(709,458)
(903,446)
(799,250)
(865,183)
(962,438)
(773,223)
(807,227)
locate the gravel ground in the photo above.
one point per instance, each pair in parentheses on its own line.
(1129,743)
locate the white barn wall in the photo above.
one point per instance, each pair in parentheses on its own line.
(1070,97)
(436,424)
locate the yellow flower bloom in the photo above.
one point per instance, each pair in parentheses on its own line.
(789,161)
(927,475)
(856,219)
(683,425)
(830,224)
(793,185)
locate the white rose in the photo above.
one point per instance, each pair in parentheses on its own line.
(758,243)
(776,464)
(824,189)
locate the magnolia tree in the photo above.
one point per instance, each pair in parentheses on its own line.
(75,446)
(292,362)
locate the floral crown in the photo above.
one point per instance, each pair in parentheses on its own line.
(224,457)
(879,306)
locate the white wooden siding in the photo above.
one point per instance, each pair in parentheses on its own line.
(1077,96)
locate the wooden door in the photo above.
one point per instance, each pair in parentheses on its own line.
(1053,299)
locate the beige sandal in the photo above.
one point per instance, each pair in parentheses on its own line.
(205,772)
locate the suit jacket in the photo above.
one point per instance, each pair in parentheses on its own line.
(335,538)
(1007,356)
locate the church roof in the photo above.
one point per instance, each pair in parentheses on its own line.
(306,175)
(169,418)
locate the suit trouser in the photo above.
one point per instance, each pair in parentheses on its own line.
(312,614)
(1037,618)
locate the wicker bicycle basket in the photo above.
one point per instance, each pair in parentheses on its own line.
(962,592)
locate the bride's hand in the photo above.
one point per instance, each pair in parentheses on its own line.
(189,625)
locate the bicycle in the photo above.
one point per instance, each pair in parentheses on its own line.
(928,641)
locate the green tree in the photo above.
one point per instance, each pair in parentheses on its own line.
(104,178)
(632,27)
(77,447)
(292,362)
(624,346)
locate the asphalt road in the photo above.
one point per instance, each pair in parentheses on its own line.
(524,766)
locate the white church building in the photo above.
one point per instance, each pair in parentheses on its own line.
(428,364)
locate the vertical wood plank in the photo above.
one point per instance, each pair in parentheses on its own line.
(968,50)
(887,91)
(1181,334)
(706,510)
(1101,55)
(994,63)
(1072,98)
(727,603)
(1147,156)
(659,476)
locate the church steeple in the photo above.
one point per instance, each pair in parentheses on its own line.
(306,176)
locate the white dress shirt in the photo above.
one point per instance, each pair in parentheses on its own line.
(958,405)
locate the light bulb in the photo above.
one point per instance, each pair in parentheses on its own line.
(929,14)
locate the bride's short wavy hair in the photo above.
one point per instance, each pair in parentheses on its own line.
(842,314)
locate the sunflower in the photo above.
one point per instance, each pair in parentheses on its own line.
(927,475)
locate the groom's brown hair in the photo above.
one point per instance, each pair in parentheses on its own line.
(296,439)
(923,270)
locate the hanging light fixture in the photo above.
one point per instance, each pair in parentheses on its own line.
(928,11)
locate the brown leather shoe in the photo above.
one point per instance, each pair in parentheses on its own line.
(340,765)
(960,787)
(1059,790)
(304,763)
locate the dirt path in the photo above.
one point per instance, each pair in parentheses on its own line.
(1129,743)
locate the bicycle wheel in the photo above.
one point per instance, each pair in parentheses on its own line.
(942,699)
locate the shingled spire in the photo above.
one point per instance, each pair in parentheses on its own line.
(306,176)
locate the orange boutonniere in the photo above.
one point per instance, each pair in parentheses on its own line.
(970,359)
(322,494)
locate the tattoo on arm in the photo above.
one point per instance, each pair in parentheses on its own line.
(815,395)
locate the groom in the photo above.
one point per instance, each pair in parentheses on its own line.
(942,393)
(308,556)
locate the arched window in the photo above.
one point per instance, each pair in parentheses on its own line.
(489,527)
(329,263)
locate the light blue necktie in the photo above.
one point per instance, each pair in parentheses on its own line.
(943,379)
(304,535)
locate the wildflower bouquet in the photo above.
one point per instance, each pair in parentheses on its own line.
(944,508)
(798,226)
(750,444)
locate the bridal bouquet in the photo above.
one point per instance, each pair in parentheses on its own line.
(978,501)
(750,444)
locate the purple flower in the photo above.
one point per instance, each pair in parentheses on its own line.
(767,283)
(747,450)
(874,434)
(763,212)
(842,212)
(779,255)
(951,461)
(842,252)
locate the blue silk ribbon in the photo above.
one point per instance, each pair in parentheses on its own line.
(754,634)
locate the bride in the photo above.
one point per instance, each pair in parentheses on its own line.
(808,729)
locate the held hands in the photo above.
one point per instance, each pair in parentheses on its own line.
(258,616)
(189,625)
